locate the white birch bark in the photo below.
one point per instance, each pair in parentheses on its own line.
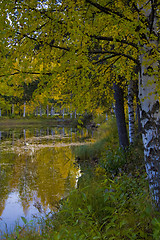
(106,117)
(36,111)
(12,109)
(40,110)
(47,110)
(131,112)
(150,115)
(24,134)
(63,113)
(24,109)
(52,111)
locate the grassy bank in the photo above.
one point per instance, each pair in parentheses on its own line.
(112,200)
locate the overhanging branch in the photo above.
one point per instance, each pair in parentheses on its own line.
(25,72)
(116,54)
(110,39)
(105,59)
(108,10)
(41,43)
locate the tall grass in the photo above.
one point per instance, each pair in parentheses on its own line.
(106,138)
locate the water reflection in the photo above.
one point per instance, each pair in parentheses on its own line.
(37,169)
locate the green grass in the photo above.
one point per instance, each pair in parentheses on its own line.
(106,138)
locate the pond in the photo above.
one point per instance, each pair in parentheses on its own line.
(37,170)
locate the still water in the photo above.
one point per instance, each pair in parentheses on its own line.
(37,169)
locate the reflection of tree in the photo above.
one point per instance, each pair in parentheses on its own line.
(24,186)
(6,174)
(24,175)
(45,176)
(54,167)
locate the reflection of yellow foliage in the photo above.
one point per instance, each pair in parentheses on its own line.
(2,206)
(48,175)
(55,170)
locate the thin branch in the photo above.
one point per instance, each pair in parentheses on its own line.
(110,39)
(136,8)
(145,4)
(11,74)
(112,64)
(24,72)
(43,11)
(41,43)
(95,82)
(108,10)
(116,54)
(105,59)
(55,46)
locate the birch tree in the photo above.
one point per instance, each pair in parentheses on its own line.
(149,96)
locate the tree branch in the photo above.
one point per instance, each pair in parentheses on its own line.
(105,59)
(23,72)
(116,54)
(110,39)
(41,43)
(108,10)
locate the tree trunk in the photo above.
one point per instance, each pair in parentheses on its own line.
(131,112)
(24,110)
(52,111)
(36,111)
(63,113)
(75,114)
(150,115)
(40,110)
(12,109)
(47,110)
(120,116)
(138,110)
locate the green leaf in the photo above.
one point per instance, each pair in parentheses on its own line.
(24,220)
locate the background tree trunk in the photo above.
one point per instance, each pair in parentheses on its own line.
(138,111)
(131,112)
(47,110)
(40,110)
(120,116)
(12,109)
(24,109)
(52,111)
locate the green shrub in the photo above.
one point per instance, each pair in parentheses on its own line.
(104,209)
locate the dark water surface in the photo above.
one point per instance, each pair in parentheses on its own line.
(37,169)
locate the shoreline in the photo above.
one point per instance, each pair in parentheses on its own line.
(20,122)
